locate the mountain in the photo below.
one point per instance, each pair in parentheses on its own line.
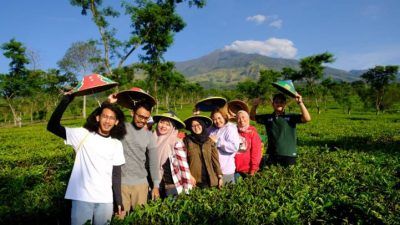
(226,68)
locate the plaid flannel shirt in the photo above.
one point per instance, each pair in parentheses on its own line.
(180,168)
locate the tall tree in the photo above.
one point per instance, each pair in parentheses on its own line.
(99,17)
(264,83)
(311,71)
(14,84)
(122,49)
(247,88)
(153,24)
(80,59)
(379,78)
(345,95)
(326,86)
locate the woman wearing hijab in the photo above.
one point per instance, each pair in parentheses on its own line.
(227,139)
(202,153)
(174,169)
(248,157)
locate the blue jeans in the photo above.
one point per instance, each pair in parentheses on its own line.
(239,176)
(228,179)
(96,213)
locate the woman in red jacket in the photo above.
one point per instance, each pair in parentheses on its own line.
(248,157)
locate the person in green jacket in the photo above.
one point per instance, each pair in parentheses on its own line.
(281,129)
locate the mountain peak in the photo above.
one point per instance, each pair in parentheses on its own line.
(227,67)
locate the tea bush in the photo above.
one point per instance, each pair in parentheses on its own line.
(346,174)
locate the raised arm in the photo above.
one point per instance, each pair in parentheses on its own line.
(253,110)
(54,125)
(305,115)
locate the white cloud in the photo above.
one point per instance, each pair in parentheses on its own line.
(273,20)
(258,19)
(276,23)
(275,47)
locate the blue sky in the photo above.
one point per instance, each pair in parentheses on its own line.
(360,33)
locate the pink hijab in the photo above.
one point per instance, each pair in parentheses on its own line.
(165,145)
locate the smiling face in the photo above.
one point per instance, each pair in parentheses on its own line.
(279,105)
(107,120)
(140,117)
(196,127)
(243,120)
(218,120)
(164,126)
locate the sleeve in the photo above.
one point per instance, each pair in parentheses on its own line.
(183,165)
(153,161)
(119,157)
(261,119)
(255,151)
(116,187)
(296,118)
(229,141)
(54,125)
(215,159)
(75,136)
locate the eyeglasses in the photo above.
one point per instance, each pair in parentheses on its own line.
(105,117)
(196,126)
(141,117)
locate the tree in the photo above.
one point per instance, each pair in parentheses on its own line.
(247,88)
(122,49)
(262,87)
(311,71)
(379,78)
(264,83)
(171,81)
(153,25)
(14,84)
(99,16)
(326,86)
(80,59)
(289,73)
(391,96)
(345,95)
(362,90)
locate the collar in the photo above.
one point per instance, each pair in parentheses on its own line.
(104,136)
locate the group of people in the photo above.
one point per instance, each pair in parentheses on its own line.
(120,165)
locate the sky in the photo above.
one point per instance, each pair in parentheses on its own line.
(359,33)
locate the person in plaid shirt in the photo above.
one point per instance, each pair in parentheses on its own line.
(174,168)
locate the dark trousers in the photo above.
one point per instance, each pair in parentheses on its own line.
(281,160)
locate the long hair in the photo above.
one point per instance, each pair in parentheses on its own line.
(118,131)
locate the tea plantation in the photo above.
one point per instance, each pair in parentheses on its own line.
(347,173)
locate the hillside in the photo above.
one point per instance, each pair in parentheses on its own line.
(226,68)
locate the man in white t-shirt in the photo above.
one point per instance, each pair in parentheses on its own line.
(95,181)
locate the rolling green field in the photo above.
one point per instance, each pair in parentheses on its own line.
(346,174)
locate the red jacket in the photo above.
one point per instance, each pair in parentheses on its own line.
(249,160)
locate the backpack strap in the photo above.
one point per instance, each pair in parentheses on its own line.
(82,141)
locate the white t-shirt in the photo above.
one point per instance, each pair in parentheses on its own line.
(91,177)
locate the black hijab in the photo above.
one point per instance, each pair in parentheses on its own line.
(199,138)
